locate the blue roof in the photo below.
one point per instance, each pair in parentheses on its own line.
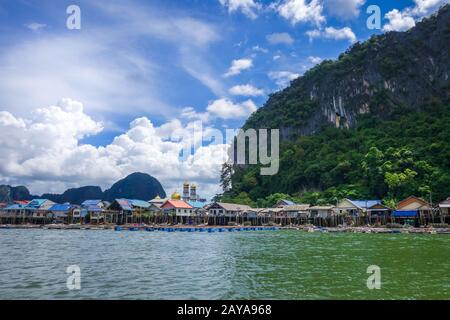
(124,204)
(93,208)
(91,202)
(408,213)
(365,203)
(139,203)
(36,203)
(197,204)
(61,207)
(15,207)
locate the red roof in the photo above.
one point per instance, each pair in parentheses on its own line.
(177,204)
(21,202)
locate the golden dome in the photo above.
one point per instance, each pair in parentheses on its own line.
(176,196)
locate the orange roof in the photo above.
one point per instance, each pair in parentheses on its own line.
(178,204)
(410,200)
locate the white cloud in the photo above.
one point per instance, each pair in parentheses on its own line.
(425,7)
(259,49)
(276,57)
(226,109)
(301,11)
(280,38)
(191,114)
(247,7)
(314,60)
(104,69)
(44,152)
(406,18)
(332,33)
(40,71)
(246,90)
(237,66)
(35,27)
(283,78)
(344,9)
(398,21)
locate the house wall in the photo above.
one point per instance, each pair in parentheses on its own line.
(183,212)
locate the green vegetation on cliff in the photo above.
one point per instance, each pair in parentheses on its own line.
(385,159)
(375,123)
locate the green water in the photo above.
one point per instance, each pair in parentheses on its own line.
(243,265)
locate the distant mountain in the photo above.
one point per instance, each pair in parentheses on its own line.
(135,186)
(9,194)
(76,195)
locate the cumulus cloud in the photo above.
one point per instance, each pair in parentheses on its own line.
(280,38)
(237,66)
(314,60)
(45,152)
(283,78)
(246,90)
(425,7)
(332,33)
(247,7)
(406,18)
(301,11)
(398,21)
(226,109)
(343,9)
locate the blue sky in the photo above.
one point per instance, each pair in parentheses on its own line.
(168,61)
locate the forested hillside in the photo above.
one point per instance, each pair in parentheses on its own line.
(373,124)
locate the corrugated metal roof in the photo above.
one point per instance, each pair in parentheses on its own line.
(93,208)
(60,207)
(364,204)
(91,202)
(15,207)
(197,204)
(179,204)
(24,202)
(36,203)
(124,204)
(233,206)
(296,207)
(322,208)
(139,203)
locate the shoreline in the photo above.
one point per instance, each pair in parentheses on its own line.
(218,228)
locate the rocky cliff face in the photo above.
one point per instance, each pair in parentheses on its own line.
(135,186)
(391,73)
(9,194)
